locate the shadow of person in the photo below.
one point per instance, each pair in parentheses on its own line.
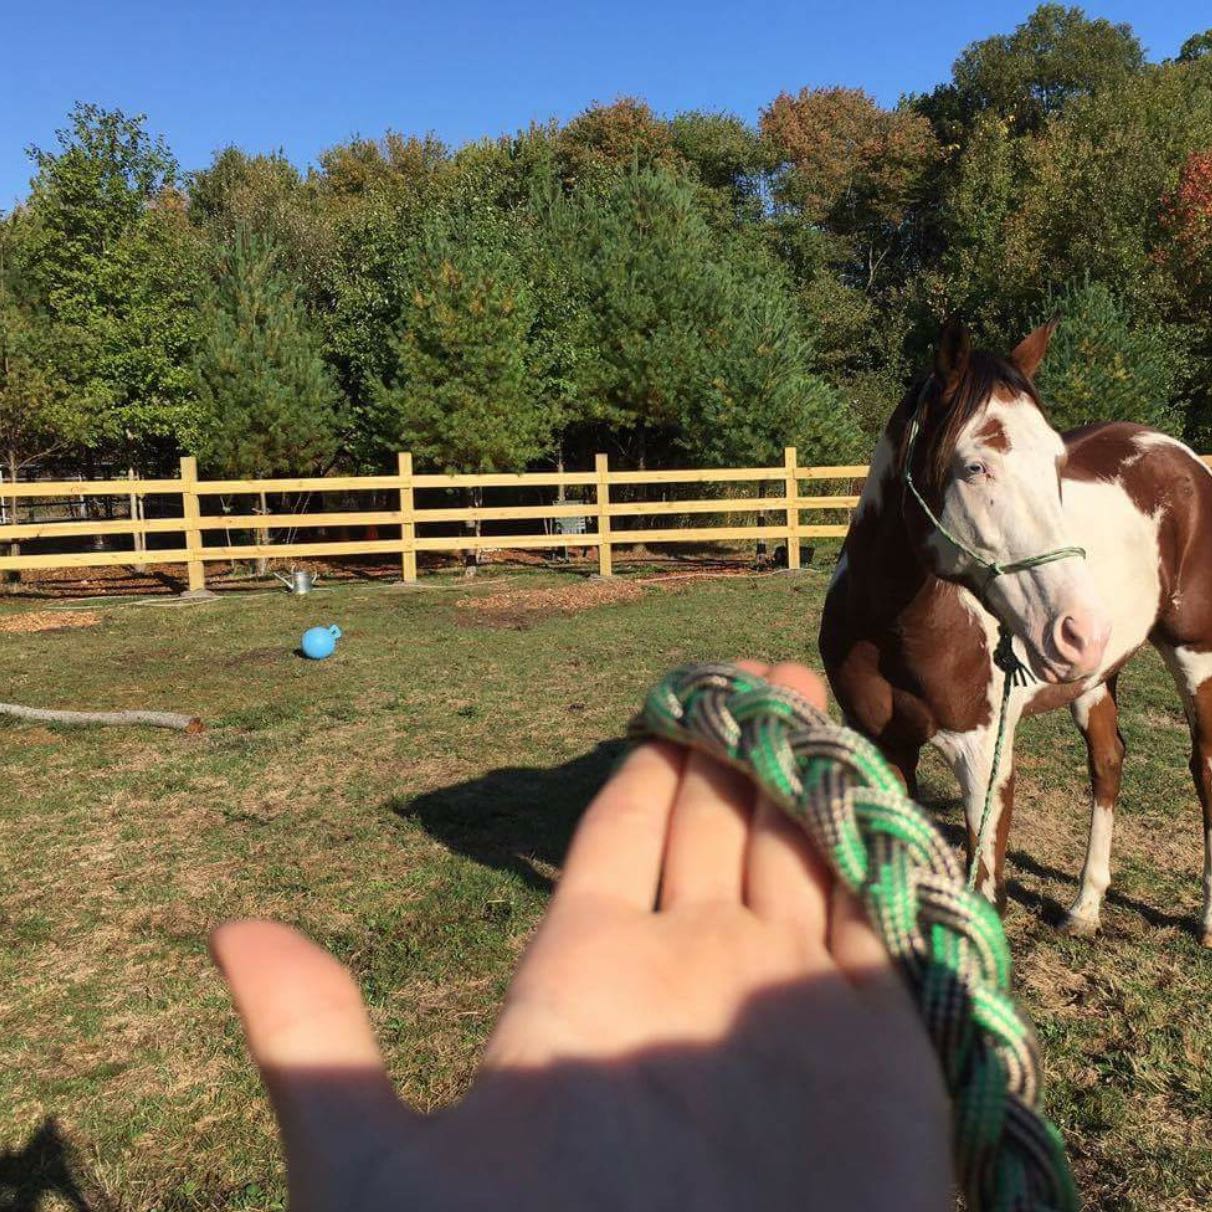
(517,819)
(46,1166)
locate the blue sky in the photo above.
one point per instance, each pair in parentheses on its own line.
(266,74)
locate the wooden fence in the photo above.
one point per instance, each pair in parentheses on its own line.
(193,524)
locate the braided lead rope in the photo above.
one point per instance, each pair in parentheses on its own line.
(946,940)
(1014,673)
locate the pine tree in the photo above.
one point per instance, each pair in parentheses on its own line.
(1105,365)
(267,401)
(694,346)
(462,398)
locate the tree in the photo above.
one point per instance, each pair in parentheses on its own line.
(1104,365)
(693,343)
(731,159)
(605,140)
(107,255)
(1196,47)
(39,416)
(267,402)
(1186,252)
(461,398)
(851,168)
(1055,56)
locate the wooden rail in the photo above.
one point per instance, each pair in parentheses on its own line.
(777,504)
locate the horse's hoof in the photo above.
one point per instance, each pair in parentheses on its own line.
(1079,927)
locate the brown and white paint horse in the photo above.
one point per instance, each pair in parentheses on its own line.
(910,623)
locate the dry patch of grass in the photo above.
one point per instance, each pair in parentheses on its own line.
(48,620)
(523,607)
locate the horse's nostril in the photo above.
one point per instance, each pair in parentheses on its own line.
(1080,638)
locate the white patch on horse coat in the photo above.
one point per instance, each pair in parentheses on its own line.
(1152,439)
(1003,500)
(1084,913)
(1123,560)
(879,471)
(1190,669)
(1096,871)
(1083,706)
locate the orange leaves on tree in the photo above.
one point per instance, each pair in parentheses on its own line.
(850,162)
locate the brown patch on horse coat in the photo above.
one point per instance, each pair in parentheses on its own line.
(1167,482)
(993,434)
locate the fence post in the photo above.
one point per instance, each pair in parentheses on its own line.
(138,540)
(408,528)
(193,536)
(601,465)
(793,509)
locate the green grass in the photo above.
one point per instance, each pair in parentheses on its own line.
(407,803)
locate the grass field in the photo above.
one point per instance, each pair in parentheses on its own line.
(407,804)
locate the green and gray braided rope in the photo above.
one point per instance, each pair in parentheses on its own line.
(947,940)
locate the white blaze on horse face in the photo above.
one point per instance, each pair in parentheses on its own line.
(1004,500)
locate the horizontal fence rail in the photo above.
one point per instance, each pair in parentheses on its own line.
(778,515)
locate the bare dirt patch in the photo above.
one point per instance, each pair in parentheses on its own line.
(49,620)
(525,607)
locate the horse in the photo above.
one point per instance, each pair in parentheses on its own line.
(977,519)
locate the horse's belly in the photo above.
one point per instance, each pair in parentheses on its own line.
(1124,561)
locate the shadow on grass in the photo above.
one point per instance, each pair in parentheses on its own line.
(47,1166)
(946,814)
(516,819)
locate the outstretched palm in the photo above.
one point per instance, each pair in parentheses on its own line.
(699,1022)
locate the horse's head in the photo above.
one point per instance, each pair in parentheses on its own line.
(988,466)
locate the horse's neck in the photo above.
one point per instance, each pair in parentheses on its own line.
(888,573)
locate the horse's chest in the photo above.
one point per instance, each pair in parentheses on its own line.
(947,643)
(1124,559)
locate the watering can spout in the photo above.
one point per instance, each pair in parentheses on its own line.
(299,581)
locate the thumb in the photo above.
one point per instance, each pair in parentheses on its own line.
(308,1031)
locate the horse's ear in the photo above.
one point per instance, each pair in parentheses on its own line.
(1029,352)
(951,357)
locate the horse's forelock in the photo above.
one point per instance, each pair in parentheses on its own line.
(943,415)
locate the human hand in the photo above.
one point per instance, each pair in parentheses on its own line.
(702,1021)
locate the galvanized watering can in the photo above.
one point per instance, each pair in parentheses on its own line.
(299,582)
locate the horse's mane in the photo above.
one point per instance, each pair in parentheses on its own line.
(943,414)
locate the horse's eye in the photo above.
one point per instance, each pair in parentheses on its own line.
(975,469)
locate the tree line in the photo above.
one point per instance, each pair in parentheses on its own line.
(691,288)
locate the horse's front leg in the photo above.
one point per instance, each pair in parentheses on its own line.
(1097,715)
(970,756)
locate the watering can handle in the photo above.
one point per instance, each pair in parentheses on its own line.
(284,579)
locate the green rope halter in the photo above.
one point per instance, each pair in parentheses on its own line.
(946,940)
(991,567)
(1015,673)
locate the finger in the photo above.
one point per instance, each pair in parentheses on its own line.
(308,1032)
(860,953)
(786,881)
(616,850)
(704,853)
